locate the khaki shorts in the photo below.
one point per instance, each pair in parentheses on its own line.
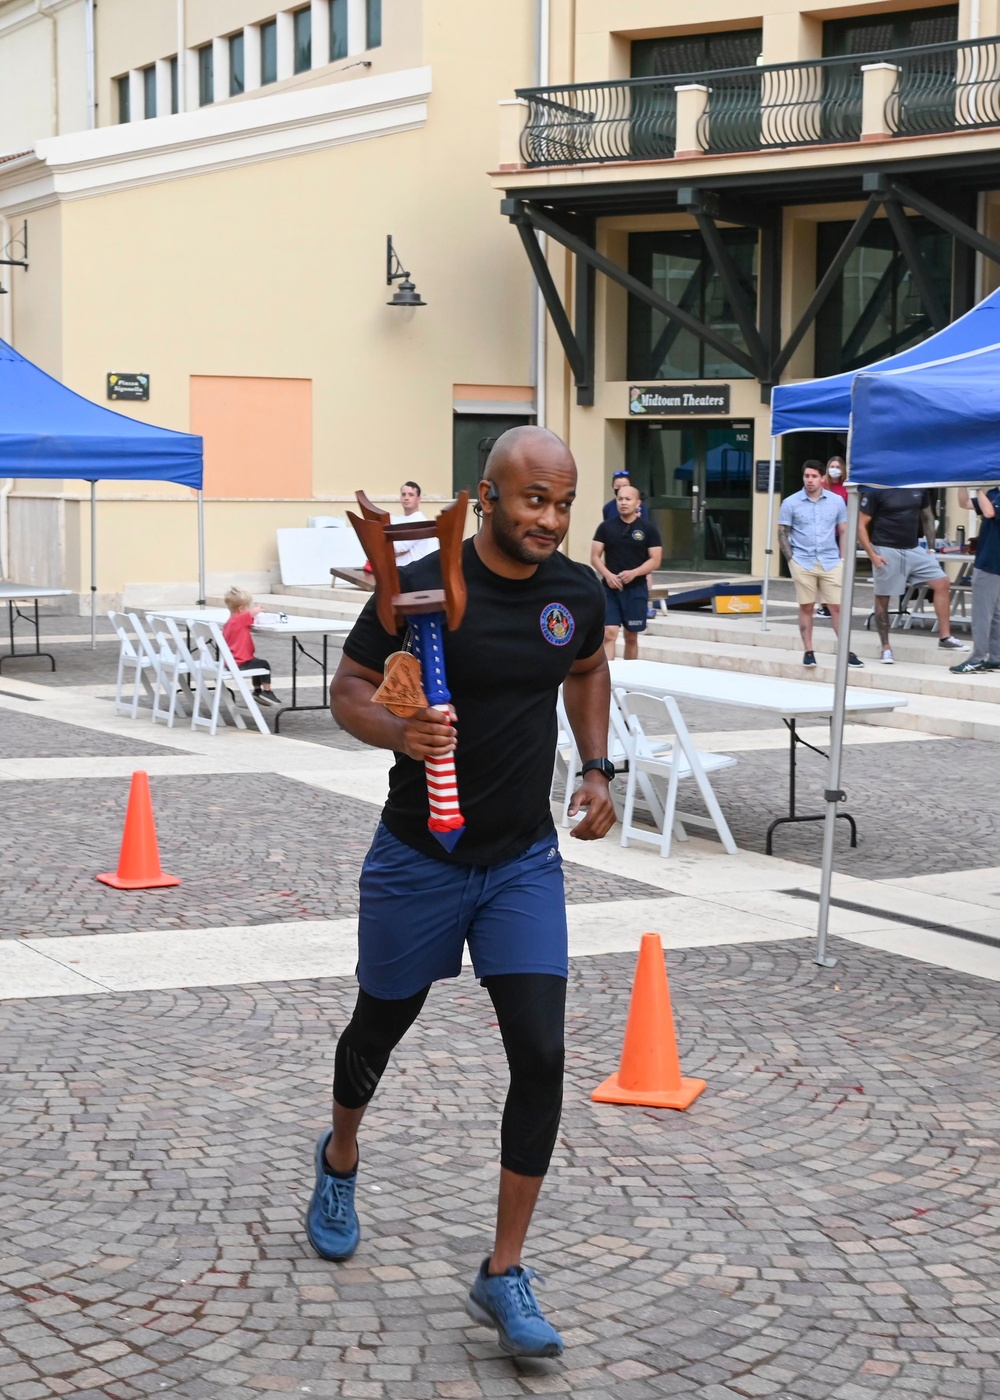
(817,585)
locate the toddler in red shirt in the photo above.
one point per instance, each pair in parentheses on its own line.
(239,639)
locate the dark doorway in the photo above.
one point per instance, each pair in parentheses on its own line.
(473,436)
(698,483)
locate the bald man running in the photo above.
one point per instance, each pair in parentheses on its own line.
(534,621)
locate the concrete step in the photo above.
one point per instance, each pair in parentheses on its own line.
(916,646)
(930,714)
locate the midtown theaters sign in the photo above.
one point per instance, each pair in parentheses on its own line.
(667,399)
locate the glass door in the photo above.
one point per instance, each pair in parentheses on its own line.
(697,481)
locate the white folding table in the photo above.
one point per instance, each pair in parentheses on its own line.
(268,625)
(14,593)
(788,700)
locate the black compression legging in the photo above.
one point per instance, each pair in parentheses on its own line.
(530,1008)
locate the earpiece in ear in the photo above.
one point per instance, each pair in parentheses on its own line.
(492,494)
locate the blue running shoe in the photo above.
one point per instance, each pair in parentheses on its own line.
(331,1220)
(506,1302)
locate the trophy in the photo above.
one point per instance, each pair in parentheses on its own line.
(405,690)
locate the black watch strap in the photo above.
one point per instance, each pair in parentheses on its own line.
(603,765)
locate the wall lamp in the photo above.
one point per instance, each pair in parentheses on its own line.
(406,293)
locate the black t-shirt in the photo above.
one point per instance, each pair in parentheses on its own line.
(627,546)
(504,666)
(895,513)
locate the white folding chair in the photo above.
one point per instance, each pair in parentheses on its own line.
(130,653)
(646,715)
(216,664)
(567,760)
(177,665)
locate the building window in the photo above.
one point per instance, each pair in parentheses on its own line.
(696,53)
(373,23)
(175,105)
(302,39)
(149,91)
(677,265)
(124,102)
(237,68)
(877,33)
(875,309)
(269,52)
(338,30)
(206,76)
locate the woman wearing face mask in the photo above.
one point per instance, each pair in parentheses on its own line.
(834,478)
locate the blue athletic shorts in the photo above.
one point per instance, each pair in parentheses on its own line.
(626,607)
(417,914)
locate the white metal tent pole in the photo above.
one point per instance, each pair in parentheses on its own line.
(93,566)
(833,794)
(201,549)
(768,551)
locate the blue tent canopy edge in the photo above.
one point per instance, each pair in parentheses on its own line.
(48,431)
(824,405)
(935,424)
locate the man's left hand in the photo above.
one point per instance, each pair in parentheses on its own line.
(593,795)
(626,577)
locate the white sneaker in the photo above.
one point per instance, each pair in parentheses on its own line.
(887,657)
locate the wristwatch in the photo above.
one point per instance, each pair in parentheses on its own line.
(603,765)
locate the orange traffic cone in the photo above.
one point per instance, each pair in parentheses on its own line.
(650,1072)
(139,862)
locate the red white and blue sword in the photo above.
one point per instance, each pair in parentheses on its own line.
(428,613)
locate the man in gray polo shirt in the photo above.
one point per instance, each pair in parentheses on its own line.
(811,528)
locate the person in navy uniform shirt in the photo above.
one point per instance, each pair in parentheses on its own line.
(533,623)
(620,478)
(985,582)
(625,552)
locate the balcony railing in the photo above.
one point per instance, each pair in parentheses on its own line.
(937,88)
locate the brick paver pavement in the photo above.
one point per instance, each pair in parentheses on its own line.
(822,1224)
(34,736)
(921,808)
(250,848)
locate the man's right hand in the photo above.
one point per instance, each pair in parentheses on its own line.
(878,561)
(427,734)
(613,581)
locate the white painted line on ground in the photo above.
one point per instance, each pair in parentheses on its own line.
(296,951)
(980,887)
(27,971)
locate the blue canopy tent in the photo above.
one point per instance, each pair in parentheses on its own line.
(49,432)
(824,405)
(931,424)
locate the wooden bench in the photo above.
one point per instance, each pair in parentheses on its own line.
(358,577)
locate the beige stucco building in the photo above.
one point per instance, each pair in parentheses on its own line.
(766,192)
(202,190)
(234,251)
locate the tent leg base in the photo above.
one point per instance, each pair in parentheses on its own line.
(825,961)
(818,817)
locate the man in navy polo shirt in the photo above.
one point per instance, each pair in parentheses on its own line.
(625,552)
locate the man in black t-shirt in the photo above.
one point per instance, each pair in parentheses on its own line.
(889,526)
(625,552)
(534,621)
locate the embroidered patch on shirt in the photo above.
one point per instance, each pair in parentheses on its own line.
(557,624)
